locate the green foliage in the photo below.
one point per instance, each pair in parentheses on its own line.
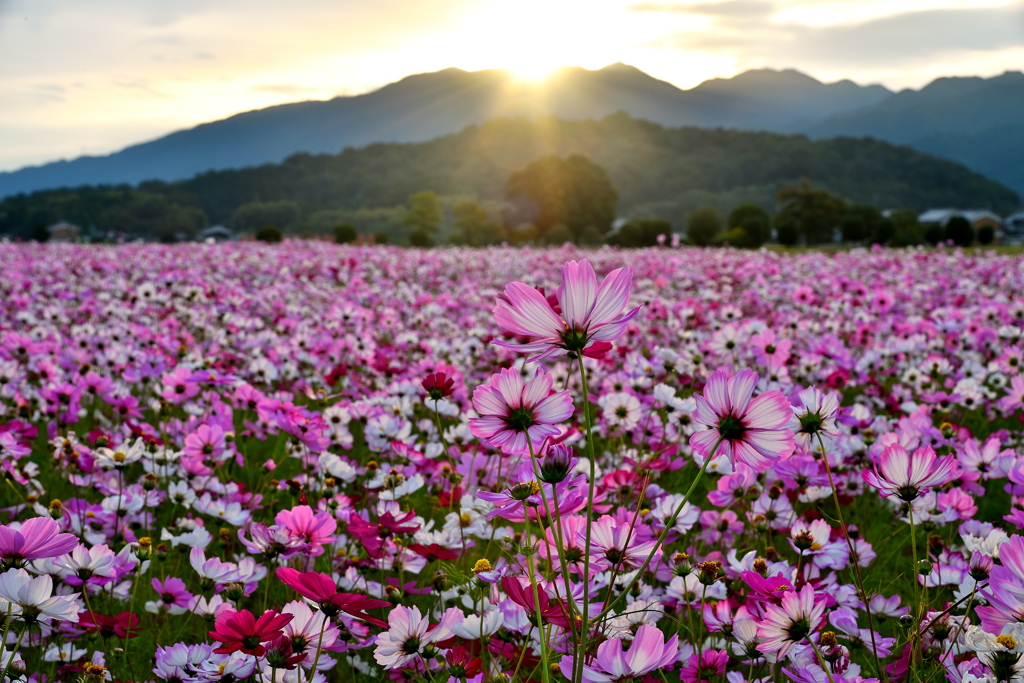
(345,233)
(641,232)
(907,230)
(754,220)
(736,237)
(573,192)
(986,234)
(423,216)
(269,234)
(281,213)
(787,230)
(814,212)
(420,238)
(381,238)
(863,222)
(557,236)
(703,226)
(933,233)
(960,230)
(656,171)
(472,226)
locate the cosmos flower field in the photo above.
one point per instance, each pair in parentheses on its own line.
(309,463)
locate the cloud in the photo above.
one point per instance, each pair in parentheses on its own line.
(282,88)
(903,39)
(747,9)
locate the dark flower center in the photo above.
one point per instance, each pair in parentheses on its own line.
(810,423)
(519,419)
(799,630)
(731,428)
(411,646)
(574,340)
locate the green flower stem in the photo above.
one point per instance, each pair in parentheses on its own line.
(546,670)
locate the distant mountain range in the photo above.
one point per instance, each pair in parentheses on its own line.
(974,121)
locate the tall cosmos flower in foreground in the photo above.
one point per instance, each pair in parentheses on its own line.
(513,411)
(905,475)
(752,431)
(586,313)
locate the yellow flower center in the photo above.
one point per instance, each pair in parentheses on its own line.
(1006,641)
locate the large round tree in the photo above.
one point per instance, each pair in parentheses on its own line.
(572,191)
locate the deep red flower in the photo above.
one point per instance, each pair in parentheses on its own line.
(438,385)
(434,552)
(372,535)
(461,664)
(321,589)
(123,625)
(551,611)
(242,632)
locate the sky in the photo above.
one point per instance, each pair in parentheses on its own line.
(94,77)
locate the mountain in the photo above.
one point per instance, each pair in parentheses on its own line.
(425,106)
(657,171)
(975,121)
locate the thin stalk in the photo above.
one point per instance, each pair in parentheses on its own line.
(661,537)
(581,649)
(13,652)
(917,597)
(853,559)
(546,670)
(319,647)
(824,664)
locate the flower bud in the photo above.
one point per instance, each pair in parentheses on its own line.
(708,572)
(924,567)
(556,464)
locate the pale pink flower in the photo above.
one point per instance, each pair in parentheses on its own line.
(586,313)
(512,411)
(752,431)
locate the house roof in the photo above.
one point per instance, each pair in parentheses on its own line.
(943,215)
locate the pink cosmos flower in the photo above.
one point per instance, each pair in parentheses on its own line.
(206,442)
(178,387)
(512,411)
(586,313)
(752,431)
(648,652)
(906,475)
(322,590)
(791,622)
(37,538)
(316,529)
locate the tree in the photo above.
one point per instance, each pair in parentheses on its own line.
(641,232)
(345,234)
(960,230)
(424,214)
(815,213)
(787,230)
(269,234)
(703,226)
(472,225)
(865,222)
(420,238)
(986,234)
(907,230)
(933,233)
(574,192)
(754,220)
(282,214)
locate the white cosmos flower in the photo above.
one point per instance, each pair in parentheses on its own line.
(34,597)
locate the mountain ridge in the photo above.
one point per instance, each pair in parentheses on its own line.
(951,117)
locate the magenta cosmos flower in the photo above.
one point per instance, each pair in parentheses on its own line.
(37,539)
(906,476)
(752,431)
(242,632)
(511,411)
(322,590)
(648,652)
(586,312)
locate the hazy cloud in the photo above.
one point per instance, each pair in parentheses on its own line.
(747,9)
(907,38)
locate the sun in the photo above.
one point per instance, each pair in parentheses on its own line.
(533,68)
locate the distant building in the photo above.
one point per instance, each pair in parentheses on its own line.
(1013,226)
(976,217)
(216,233)
(63,232)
